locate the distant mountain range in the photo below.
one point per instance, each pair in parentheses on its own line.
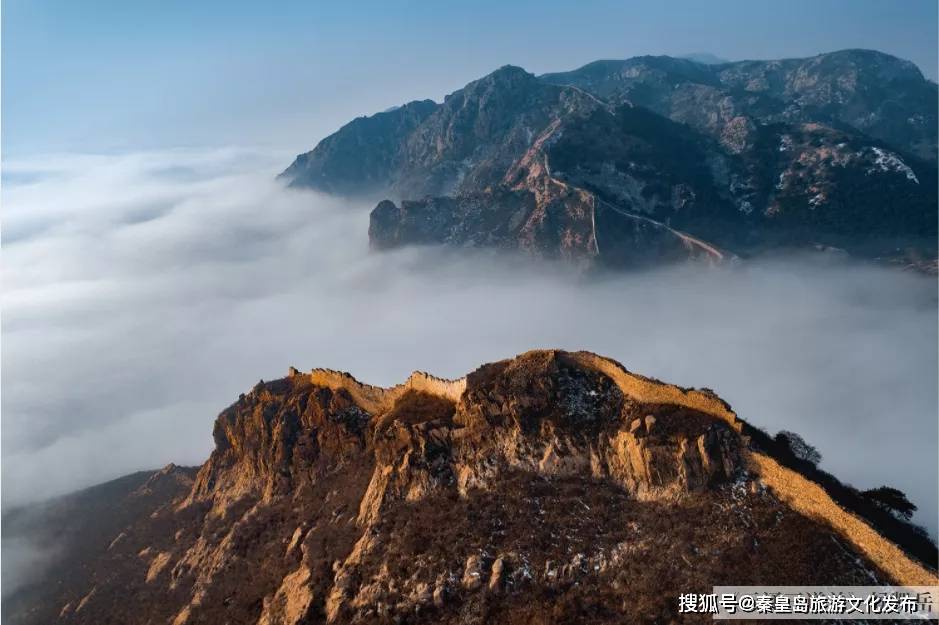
(624,163)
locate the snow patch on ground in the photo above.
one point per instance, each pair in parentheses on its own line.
(885,161)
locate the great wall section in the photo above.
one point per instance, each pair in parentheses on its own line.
(801,493)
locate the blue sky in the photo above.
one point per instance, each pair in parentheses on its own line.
(105,75)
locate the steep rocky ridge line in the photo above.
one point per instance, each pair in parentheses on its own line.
(812,500)
(659,160)
(379,399)
(376,399)
(798,491)
(881,95)
(656,392)
(538,487)
(794,488)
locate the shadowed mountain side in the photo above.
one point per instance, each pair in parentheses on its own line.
(580,229)
(359,159)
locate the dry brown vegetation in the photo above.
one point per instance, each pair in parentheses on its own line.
(559,488)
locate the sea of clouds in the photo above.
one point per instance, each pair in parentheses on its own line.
(143,292)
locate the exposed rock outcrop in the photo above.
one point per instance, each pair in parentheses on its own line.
(655,159)
(546,484)
(878,94)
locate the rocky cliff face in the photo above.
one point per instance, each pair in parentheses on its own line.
(884,97)
(480,131)
(551,487)
(654,158)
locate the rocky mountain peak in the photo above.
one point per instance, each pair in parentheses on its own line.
(506,77)
(529,411)
(883,66)
(655,159)
(541,484)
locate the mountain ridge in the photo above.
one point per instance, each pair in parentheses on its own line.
(746,156)
(542,484)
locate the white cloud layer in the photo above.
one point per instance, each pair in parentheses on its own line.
(144,292)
